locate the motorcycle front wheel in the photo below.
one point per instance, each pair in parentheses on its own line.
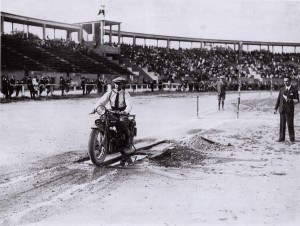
(97,147)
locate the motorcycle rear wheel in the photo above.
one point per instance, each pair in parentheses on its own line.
(97,147)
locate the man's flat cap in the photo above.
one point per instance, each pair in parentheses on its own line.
(119,80)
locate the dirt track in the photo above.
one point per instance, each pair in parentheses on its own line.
(246,178)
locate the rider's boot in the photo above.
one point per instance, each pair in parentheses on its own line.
(128,144)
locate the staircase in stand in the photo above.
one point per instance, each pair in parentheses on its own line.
(141,73)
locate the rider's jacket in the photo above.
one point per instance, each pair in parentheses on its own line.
(124,103)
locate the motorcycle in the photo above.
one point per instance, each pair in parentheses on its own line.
(105,137)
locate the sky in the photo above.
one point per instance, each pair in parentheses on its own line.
(251,20)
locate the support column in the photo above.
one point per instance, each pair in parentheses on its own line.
(134,40)
(144,42)
(80,35)
(2,25)
(68,35)
(156,42)
(191,45)
(179,45)
(281,49)
(272,49)
(27,33)
(102,32)
(295,49)
(234,47)
(247,48)
(93,30)
(240,46)
(259,47)
(119,34)
(201,45)
(268,48)
(44,31)
(12,28)
(54,33)
(168,44)
(110,34)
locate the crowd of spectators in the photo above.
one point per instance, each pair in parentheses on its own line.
(202,64)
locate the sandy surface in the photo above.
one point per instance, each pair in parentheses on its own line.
(245,178)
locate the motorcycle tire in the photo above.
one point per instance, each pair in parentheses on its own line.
(97,147)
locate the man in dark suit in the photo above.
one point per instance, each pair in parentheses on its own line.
(220,86)
(287,98)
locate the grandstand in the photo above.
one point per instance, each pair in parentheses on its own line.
(26,54)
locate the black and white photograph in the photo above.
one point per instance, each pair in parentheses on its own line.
(150,112)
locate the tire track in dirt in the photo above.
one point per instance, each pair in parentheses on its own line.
(37,190)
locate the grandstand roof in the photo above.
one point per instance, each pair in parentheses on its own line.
(187,39)
(13,18)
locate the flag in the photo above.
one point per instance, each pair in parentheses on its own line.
(102,10)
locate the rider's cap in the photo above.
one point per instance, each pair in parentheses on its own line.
(119,80)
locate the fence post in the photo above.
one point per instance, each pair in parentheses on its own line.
(239,97)
(271,86)
(238,106)
(197,106)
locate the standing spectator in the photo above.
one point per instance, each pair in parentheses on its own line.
(152,85)
(87,86)
(17,88)
(67,84)
(30,87)
(99,85)
(42,85)
(48,85)
(83,83)
(287,98)
(62,85)
(160,86)
(91,86)
(105,86)
(11,88)
(4,86)
(221,89)
(196,86)
(35,85)
(169,84)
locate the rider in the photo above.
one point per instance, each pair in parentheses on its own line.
(119,101)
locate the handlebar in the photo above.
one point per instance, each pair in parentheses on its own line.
(110,111)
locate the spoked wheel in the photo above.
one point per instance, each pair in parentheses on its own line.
(97,147)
